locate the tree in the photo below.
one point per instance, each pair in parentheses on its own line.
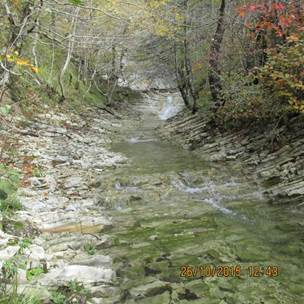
(20,21)
(214,58)
(183,66)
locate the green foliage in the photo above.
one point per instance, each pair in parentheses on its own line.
(58,298)
(246,102)
(9,269)
(76,2)
(15,298)
(9,281)
(24,243)
(73,292)
(89,248)
(12,174)
(19,299)
(283,73)
(9,183)
(27,299)
(34,272)
(77,287)
(5,110)
(10,205)
(3,195)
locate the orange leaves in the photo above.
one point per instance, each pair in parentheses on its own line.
(286,21)
(278,6)
(27,171)
(34,69)
(21,62)
(262,8)
(197,66)
(276,17)
(245,10)
(241,12)
(283,72)
(293,38)
(16,3)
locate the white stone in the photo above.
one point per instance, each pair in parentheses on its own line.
(73,182)
(8,252)
(35,253)
(84,274)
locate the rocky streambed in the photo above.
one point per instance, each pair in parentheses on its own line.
(61,221)
(275,154)
(136,219)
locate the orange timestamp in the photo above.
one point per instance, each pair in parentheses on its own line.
(226,271)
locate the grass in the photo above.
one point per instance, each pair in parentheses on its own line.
(9,183)
(9,286)
(58,298)
(19,299)
(24,244)
(89,248)
(9,203)
(73,292)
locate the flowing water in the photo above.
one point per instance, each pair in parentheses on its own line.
(188,231)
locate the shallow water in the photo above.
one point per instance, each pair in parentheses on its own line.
(179,220)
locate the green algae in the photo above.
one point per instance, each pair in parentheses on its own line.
(172,210)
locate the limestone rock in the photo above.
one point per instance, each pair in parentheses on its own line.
(85,274)
(9,252)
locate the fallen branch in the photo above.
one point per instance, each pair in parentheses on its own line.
(108,111)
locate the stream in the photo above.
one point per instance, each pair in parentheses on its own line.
(189,231)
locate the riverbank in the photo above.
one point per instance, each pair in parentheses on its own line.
(274,155)
(51,240)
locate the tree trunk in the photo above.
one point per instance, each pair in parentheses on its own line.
(180,78)
(69,55)
(298,11)
(187,62)
(214,69)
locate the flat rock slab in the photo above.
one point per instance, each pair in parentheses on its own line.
(96,261)
(82,224)
(74,182)
(82,228)
(5,238)
(85,274)
(8,252)
(151,289)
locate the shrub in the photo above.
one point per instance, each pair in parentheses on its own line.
(9,183)
(283,74)
(246,102)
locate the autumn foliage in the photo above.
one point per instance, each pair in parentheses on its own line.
(272,17)
(281,25)
(283,74)
(16,59)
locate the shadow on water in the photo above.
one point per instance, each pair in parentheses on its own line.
(171,209)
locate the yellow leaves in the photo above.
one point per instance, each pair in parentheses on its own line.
(163,29)
(16,3)
(156,4)
(283,74)
(297,104)
(21,61)
(293,38)
(197,66)
(35,69)
(179,18)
